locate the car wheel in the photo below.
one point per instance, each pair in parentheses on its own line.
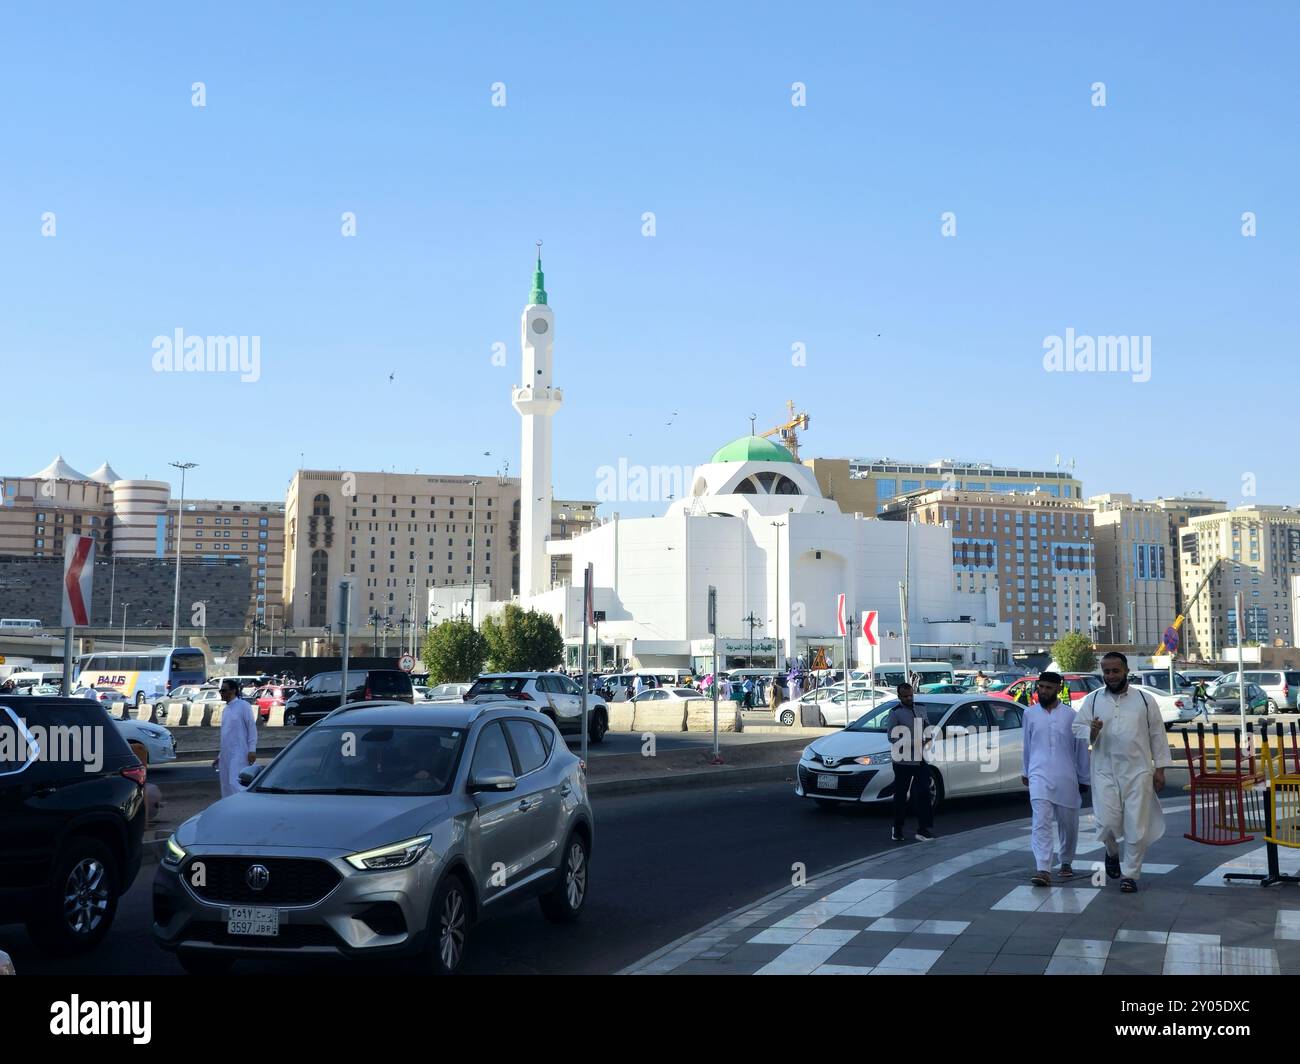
(158,715)
(449,925)
(200,962)
(563,903)
(291,720)
(139,699)
(1272,706)
(79,908)
(598,727)
(787,718)
(936,790)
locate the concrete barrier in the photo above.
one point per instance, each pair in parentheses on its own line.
(659,716)
(699,716)
(275,720)
(620,716)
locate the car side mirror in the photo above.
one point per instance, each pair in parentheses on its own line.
(249,774)
(492,784)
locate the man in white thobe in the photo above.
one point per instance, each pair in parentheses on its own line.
(638,685)
(1056,772)
(238,739)
(1130,753)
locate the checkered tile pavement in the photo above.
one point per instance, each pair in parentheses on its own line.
(963,905)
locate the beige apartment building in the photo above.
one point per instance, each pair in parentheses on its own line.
(1181,509)
(1136,574)
(867,486)
(1035,549)
(137,519)
(1254,551)
(398,533)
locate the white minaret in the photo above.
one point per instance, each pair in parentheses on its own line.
(537,401)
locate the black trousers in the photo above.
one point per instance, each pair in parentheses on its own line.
(917,779)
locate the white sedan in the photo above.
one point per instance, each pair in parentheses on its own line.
(830,703)
(152,743)
(976,748)
(669,694)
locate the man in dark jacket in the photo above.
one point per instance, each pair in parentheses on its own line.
(906,727)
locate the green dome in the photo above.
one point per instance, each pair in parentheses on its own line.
(753,449)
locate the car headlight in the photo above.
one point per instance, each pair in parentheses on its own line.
(808,753)
(398,855)
(882,758)
(174,853)
(153,733)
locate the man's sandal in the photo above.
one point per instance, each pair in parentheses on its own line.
(1041,879)
(1128,886)
(1112,866)
(1065,872)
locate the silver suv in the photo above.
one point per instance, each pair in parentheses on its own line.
(385,830)
(552,694)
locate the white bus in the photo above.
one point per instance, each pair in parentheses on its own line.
(145,675)
(21,624)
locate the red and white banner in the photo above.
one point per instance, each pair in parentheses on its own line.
(839,614)
(869,627)
(78,569)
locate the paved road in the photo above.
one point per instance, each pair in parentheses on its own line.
(664,865)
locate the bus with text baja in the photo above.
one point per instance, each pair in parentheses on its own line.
(143,676)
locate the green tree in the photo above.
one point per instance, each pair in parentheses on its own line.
(523,642)
(454,652)
(1074,652)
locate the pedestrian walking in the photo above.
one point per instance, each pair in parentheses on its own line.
(1130,752)
(1201,699)
(1055,768)
(748,688)
(238,739)
(907,729)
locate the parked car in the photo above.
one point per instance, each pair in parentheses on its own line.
(323,693)
(1173,708)
(116,703)
(448,692)
(1079,685)
(151,743)
(70,828)
(668,694)
(203,706)
(1225,697)
(1281,686)
(171,708)
(266,698)
(1159,679)
(552,694)
(1210,676)
(977,749)
(861,694)
(395,850)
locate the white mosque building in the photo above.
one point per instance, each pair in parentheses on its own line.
(755,526)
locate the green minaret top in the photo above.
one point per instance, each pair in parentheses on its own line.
(538,294)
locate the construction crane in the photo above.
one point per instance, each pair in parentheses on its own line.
(788,431)
(1177,626)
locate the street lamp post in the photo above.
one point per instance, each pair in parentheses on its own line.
(180,516)
(778,525)
(124,606)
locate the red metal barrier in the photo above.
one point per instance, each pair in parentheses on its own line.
(1219,789)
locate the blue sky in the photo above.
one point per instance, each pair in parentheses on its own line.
(775,225)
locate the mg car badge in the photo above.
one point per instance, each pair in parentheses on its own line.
(257,877)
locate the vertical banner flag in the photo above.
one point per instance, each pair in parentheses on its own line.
(839,614)
(78,569)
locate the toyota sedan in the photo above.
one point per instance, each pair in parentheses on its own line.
(977,747)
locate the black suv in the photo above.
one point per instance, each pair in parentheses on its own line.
(323,693)
(72,817)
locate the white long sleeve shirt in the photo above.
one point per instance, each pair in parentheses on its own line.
(1055,760)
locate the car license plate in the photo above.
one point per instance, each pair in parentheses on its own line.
(248,921)
(826,782)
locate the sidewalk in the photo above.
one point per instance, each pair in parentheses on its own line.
(963,905)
